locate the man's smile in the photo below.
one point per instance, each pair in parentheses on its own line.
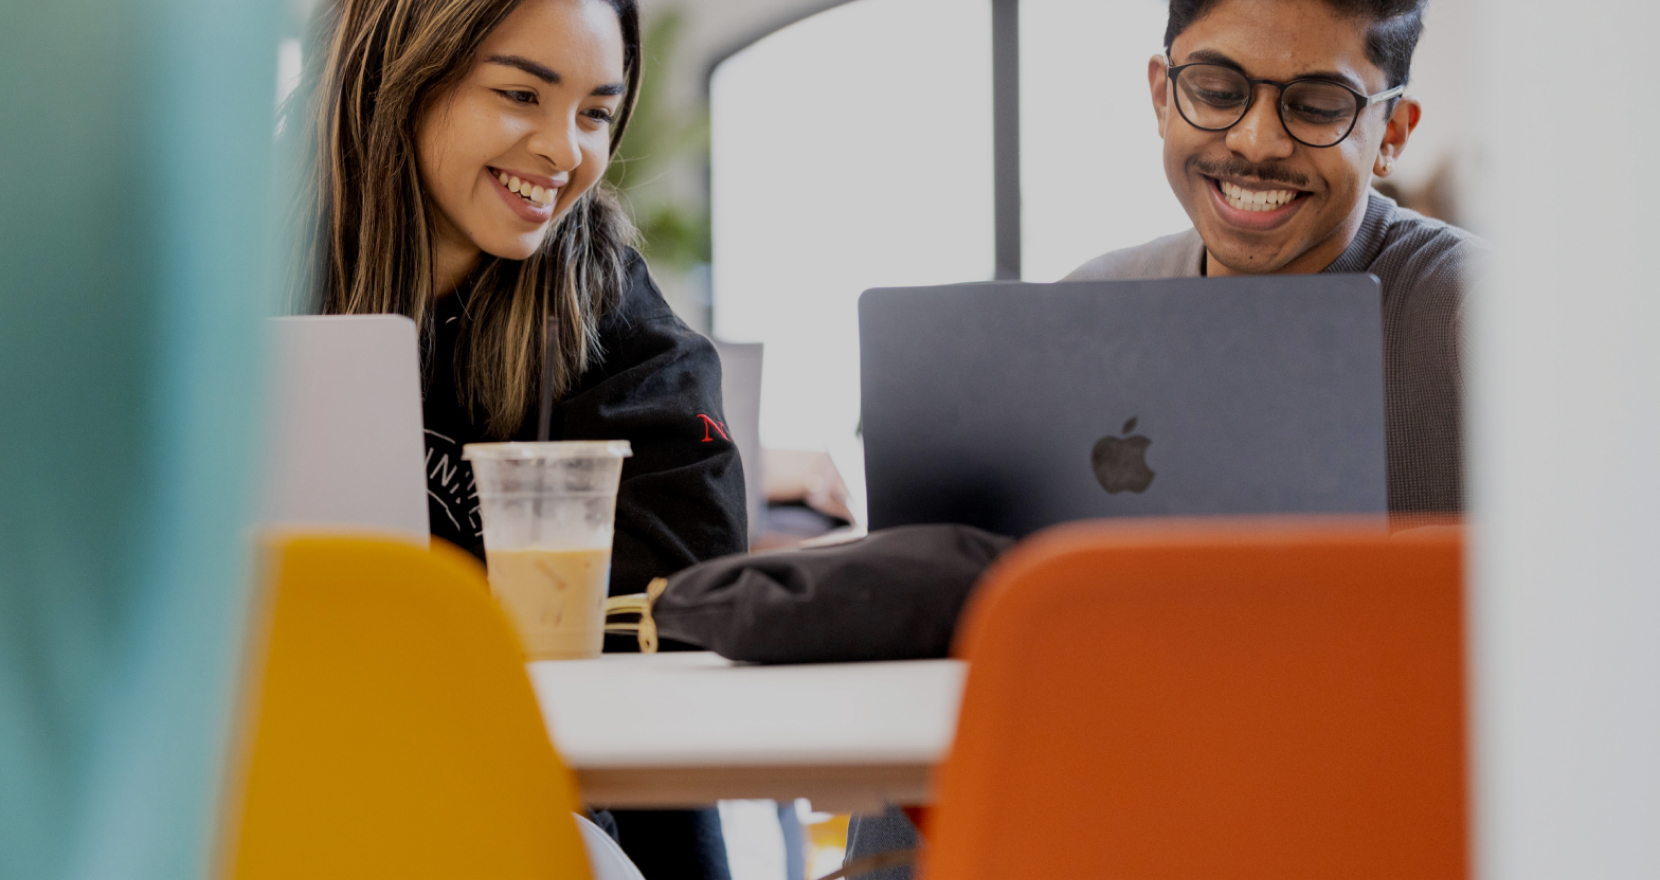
(1249,199)
(1254,204)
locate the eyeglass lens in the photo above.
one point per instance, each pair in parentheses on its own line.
(1214,97)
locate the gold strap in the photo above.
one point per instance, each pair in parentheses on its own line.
(894,859)
(637,605)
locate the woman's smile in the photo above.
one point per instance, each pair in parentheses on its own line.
(520,200)
(536,188)
(529,196)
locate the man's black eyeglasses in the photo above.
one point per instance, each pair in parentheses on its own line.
(1315,112)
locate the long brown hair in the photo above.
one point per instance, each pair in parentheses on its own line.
(371,66)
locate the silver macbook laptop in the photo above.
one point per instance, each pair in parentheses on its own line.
(344,447)
(1016,406)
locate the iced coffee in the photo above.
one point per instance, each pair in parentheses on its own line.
(548,511)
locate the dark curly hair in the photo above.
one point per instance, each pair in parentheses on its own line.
(1395,26)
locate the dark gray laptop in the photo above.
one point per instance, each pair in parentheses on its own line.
(1015,406)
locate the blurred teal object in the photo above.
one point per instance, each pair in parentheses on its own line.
(135,241)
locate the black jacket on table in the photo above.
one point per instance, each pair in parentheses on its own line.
(656,385)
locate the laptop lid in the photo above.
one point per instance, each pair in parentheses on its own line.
(740,391)
(345,447)
(1015,406)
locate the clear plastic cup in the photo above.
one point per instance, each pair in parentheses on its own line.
(548,511)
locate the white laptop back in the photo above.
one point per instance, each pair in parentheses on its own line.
(345,446)
(740,389)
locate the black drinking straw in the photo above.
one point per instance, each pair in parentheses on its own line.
(544,417)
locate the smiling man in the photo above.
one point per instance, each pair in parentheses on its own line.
(1276,116)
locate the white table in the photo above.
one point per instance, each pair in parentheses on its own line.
(684,729)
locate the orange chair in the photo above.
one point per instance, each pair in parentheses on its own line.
(1188,700)
(394,732)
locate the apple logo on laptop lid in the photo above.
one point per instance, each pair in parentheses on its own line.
(1120,463)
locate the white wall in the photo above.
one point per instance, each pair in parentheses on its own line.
(1565,451)
(1441,70)
(1091,175)
(851,150)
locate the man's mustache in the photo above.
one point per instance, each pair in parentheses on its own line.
(1267,172)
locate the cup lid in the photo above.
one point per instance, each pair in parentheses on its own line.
(551,449)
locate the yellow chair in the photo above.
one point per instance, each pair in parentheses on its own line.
(393,731)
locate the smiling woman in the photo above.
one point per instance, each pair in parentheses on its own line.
(454,153)
(477,89)
(519,133)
